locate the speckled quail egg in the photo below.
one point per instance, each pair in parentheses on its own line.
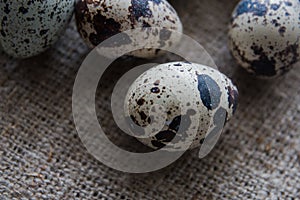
(183,90)
(29,27)
(98,20)
(264,36)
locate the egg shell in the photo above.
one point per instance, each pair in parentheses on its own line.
(30,27)
(264,36)
(98,20)
(203,91)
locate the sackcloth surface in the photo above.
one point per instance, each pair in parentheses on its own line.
(42,157)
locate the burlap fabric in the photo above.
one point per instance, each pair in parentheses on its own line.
(41,156)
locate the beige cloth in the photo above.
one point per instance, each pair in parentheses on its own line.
(41,156)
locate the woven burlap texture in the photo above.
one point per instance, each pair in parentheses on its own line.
(42,157)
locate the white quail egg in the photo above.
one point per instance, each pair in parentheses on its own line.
(98,20)
(264,36)
(203,91)
(30,27)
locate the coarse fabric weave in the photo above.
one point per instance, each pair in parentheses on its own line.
(42,157)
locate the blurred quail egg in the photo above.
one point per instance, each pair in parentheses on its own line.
(264,36)
(183,90)
(30,27)
(98,20)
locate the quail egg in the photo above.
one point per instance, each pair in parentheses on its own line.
(185,91)
(264,36)
(98,20)
(30,27)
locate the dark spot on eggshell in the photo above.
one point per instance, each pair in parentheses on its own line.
(171,20)
(288,3)
(3,33)
(275,6)
(143,115)
(174,125)
(202,140)
(177,64)
(157,144)
(180,125)
(23,10)
(264,66)
(165,136)
(43,32)
(140,8)
(6,9)
(104,27)
(157,82)
(155,90)
(209,91)
(235,25)
(158,2)
(282,30)
(251,6)
(146,25)
(177,130)
(140,102)
(232,98)
(257,50)
(276,24)
(134,120)
(157,51)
